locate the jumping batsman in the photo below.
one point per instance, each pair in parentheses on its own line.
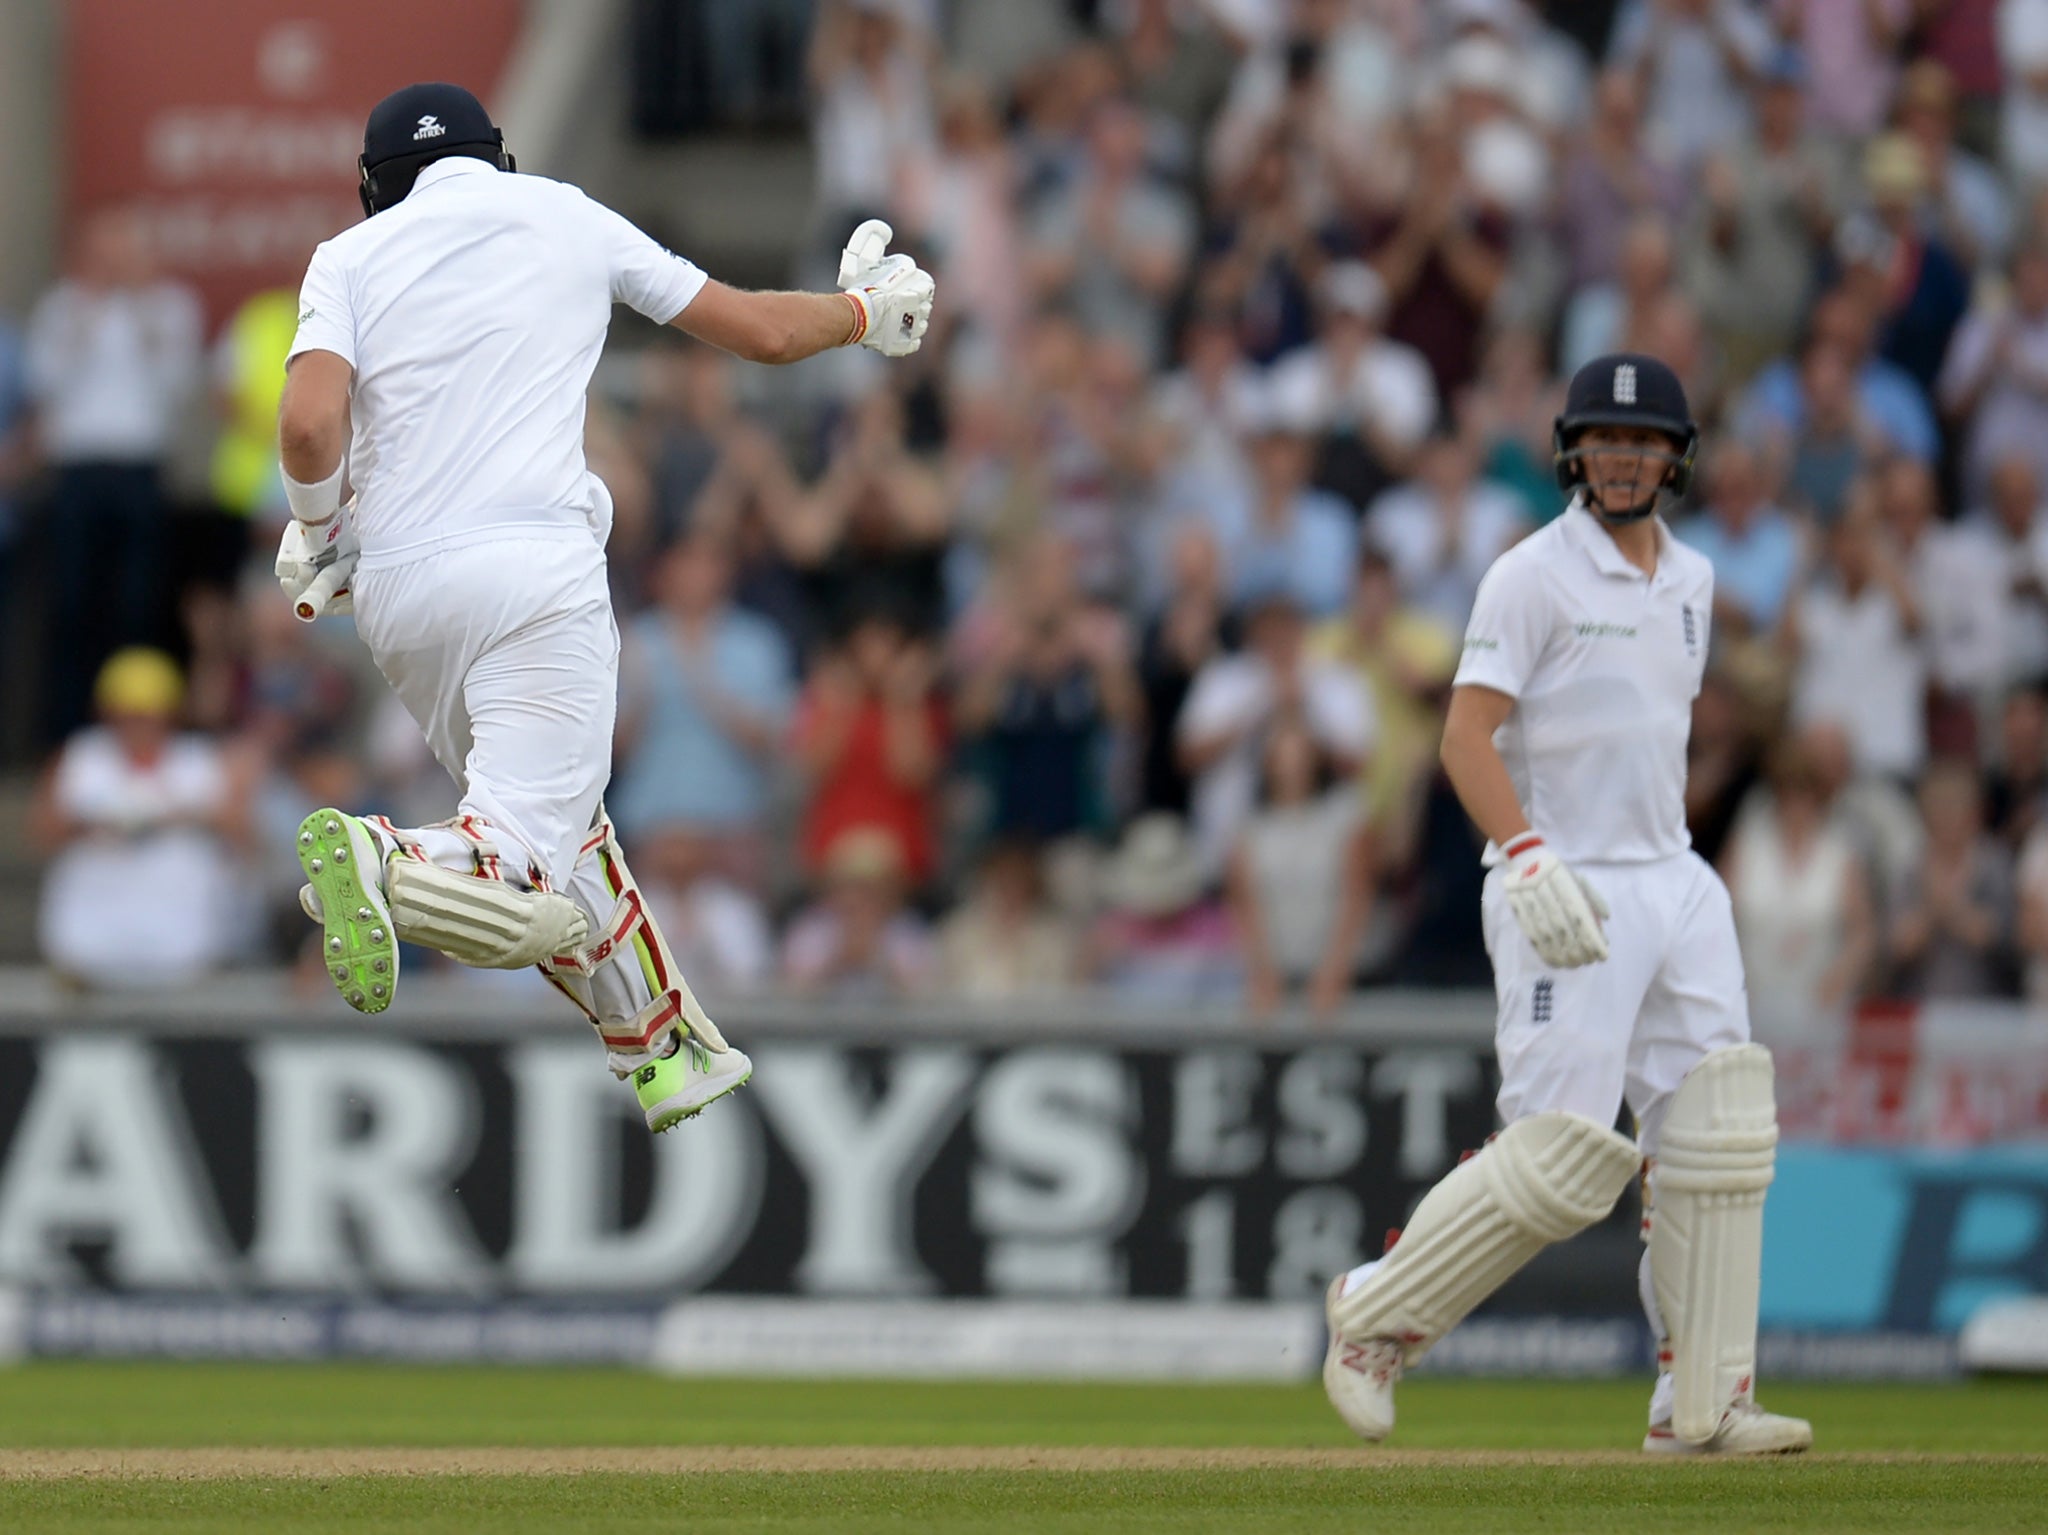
(1613,948)
(444,348)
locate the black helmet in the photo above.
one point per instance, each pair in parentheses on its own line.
(411,129)
(1626,389)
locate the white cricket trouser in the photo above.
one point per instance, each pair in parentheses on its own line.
(1629,1028)
(506,654)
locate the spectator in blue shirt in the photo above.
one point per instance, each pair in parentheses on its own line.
(1285,535)
(1775,405)
(1754,547)
(706,691)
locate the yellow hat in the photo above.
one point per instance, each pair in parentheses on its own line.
(864,853)
(139,680)
(1894,168)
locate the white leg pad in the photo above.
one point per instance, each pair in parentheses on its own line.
(482,922)
(1715,1157)
(622,974)
(1541,1180)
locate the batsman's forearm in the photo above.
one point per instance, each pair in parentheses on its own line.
(819,322)
(311,456)
(1483,786)
(772,327)
(313,418)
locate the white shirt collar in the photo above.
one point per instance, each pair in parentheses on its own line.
(454,165)
(1583,529)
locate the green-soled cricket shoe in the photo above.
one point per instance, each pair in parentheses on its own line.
(345,894)
(683,1085)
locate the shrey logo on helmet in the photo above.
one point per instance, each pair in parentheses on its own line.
(411,128)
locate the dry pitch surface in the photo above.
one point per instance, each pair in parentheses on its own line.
(167,1447)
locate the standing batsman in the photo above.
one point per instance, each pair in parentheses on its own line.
(444,348)
(1613,948)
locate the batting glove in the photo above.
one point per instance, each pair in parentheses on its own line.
(893,293)
(315,564)
(1558,911)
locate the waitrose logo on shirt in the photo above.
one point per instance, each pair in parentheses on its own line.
(1591,631)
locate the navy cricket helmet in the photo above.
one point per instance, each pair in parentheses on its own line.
(412,128)
(1626,389)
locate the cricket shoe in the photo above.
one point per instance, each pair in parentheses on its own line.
(344,893)
(682,1085)
(1746,1429)
(1359,1377)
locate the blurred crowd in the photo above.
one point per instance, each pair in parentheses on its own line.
(1105,642)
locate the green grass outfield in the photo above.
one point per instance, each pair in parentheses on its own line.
(148,1447)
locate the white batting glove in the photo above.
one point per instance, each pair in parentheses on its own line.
(893,293)
(315,564)
(1555,907)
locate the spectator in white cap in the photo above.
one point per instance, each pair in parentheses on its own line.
(1287,535)
(1161,936)
(1375,398)
(1506,159)
(1551,76)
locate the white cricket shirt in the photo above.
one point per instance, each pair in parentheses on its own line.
(473,313)
(1603,663)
